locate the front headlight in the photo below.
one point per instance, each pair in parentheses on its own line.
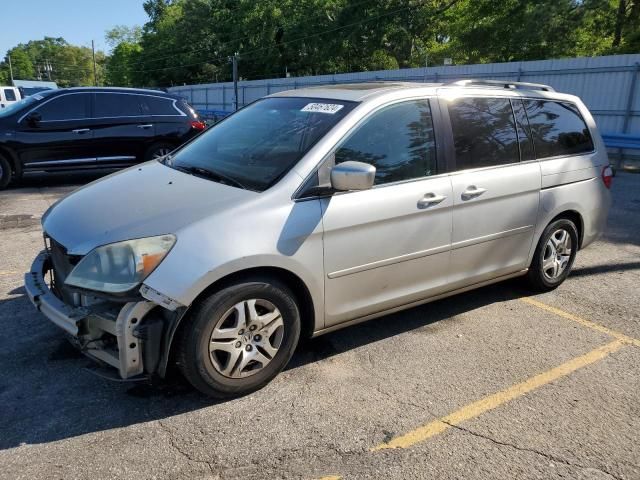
(119,267)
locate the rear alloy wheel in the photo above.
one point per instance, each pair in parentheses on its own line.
(239,338)
(554,256)
(5,172)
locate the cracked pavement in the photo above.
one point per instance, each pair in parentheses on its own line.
(345,392)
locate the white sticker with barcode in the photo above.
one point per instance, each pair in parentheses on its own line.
(329,108)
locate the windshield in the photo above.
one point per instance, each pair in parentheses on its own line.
(25,102)
(256,146)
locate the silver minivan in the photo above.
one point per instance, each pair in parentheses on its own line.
(313,209)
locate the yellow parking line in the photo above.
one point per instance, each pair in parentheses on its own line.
(586,323)
(7,273)
(331,477)
(495,400)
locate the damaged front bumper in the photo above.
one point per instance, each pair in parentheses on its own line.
(128,336)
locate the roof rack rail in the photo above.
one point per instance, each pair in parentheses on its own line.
(502,84)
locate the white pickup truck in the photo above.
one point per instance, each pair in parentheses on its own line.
(9,95)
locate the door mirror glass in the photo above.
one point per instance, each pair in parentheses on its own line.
(34,118)
(352,175)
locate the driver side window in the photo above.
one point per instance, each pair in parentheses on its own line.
(398,140)
(66,107)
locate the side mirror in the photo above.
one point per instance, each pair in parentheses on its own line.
(352,175)
(34,118)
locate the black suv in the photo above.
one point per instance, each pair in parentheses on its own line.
(80,128)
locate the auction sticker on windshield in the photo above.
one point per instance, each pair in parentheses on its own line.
(329,108)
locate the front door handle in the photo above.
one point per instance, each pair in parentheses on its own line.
(472,192)
(430,199)
(80,131)
(146,126)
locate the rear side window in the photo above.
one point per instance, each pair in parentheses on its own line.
(66,107)
(9,95)
(114,105)
(557,128)
(159,106)
(398,140)
(484,132)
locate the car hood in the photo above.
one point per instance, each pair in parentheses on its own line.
(143,201)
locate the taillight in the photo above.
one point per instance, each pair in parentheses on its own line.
(607,176)
(198,125)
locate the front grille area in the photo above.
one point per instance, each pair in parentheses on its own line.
(62,264)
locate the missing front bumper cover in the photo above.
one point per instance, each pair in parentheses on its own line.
(91,326)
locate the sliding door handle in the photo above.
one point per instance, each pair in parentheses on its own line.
(80,131)
(430,199)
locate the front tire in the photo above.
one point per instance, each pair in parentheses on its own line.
(5,173)
(554,256)
(239,338)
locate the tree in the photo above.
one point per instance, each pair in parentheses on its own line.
(21,63)
(123,34)
(54,59)
(125,42)
(119,64)
(190,41)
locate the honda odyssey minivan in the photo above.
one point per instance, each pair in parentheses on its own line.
(314,209)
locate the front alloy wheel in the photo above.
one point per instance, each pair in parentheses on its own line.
(246,338)
(239,338)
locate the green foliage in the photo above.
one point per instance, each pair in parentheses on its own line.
(123,34)
(117,71)
(190,41)
(54,58)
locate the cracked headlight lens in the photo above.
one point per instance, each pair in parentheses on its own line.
(119,267)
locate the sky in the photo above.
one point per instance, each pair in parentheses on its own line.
(77,21)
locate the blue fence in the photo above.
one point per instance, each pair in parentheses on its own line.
(630,142)
(608,85)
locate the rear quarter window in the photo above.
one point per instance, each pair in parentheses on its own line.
(557,128)
(160,106)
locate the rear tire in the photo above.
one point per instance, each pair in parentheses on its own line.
(158,150)
(239,338)
(5,173)
(554,256)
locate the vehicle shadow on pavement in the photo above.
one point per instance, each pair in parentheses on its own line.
(48,393)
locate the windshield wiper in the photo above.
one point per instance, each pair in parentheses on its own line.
(210,174)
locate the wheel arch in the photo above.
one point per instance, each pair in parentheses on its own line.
(290,279)
(576,218)
(12,158)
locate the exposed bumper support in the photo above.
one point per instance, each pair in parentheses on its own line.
(63,315)
(106,333)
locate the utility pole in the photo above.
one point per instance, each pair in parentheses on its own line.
(95,70)
(10,69)
(234,61)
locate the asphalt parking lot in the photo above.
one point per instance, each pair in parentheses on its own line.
(493,383)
